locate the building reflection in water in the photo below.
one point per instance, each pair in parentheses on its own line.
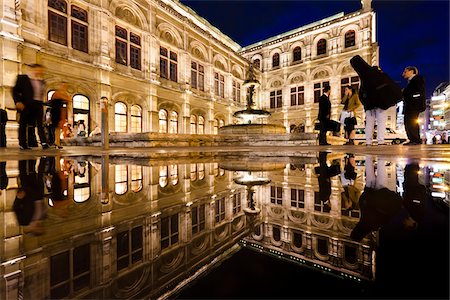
(127,227)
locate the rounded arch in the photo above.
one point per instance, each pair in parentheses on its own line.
(219,58)
(273,51)
(321,72)
(296,77)
(169,34)
(129,12)
(198,112)
(295,45)
(237,71)
(343,31)
(199,51)
(169,106)
(275,82)
(345,69)
(322,36)
(128,99)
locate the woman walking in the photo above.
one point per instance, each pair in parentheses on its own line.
(348,116)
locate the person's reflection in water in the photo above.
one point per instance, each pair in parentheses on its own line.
(350,195)
(325,173)
(3,176)
(378,204)
(57,186)
(414,197)
(29,203)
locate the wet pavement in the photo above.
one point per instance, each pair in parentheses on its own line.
(228,222)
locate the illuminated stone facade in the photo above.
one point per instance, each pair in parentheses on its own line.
(165,69)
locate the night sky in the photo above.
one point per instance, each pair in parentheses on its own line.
(408,32)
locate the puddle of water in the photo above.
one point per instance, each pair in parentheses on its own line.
(225,225)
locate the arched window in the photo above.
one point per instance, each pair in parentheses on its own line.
(173,171)
(193,174)
(276,233)
(297,54)
(163,170)
(136,118)
(81,109)
(81,187)
(216,126)
(120,117)
(50,94)
(121,179)
(349,38)
(173,126)
(257,64)
(201,125)
(193,124)
(136,178)
(201,171)
(221,123)
(275,60)
(321,47)
(163,121)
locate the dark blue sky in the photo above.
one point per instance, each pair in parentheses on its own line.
(408,32)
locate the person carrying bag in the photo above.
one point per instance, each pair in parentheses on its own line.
(348,116)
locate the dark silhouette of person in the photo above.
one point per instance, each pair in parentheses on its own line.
(324,115)
(28,95)
(325,173)
(414,99)
(28,204)
(378,204)
(414,196)
(3,121)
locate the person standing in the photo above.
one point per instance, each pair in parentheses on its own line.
(377,93)
(348,116)
(324,114)
(28,95)
(414,100)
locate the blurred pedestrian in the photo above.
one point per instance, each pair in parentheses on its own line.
(58,113)
(28,95)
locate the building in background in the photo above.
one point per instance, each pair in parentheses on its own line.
(436,119)
(165,69)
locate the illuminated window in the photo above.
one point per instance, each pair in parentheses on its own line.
(349,38)
(163,121)
(173,171)
(136,178)
(169,231)
(236,203)
(70,272)
(318,90)
(297,54)
(221,123)
(201,125)
(129,247)
(193,173)
(136,118)
(163,176)
(276,99)
(297,96)
(121,179)
(198,216)
(80,102)
(197,76)
(58,15)
(321,47)
(168,64)
(219,85)
(125,42)
(81,188)
(201,171)
(275,60)
(219,210)
(236,92)
(173,125)
(276,195)
(193,124)
(216,126)
(120,117)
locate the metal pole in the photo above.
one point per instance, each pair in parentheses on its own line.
(105,128)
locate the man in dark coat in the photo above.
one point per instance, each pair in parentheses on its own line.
(28,95)
(325,173)
(414,196)
(324,115)
(377,93)
(414,103)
